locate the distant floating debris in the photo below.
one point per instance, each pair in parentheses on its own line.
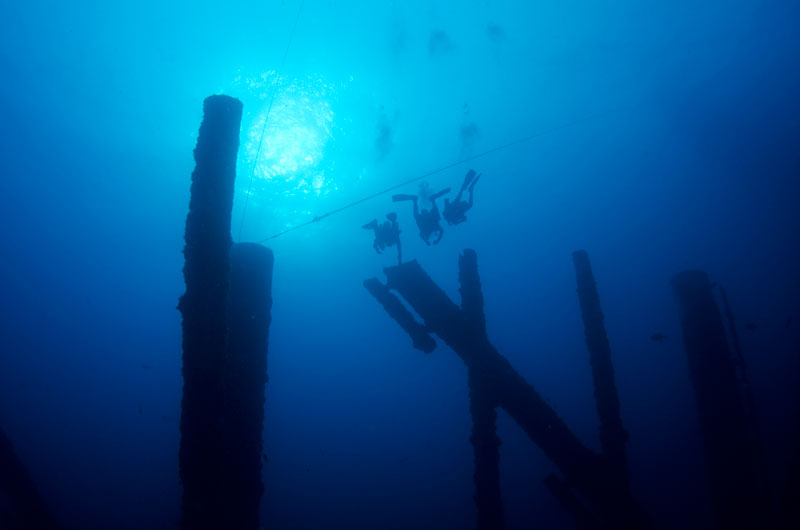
(439,43)
(468,131)
(495,33)
(658,337)
(383,140)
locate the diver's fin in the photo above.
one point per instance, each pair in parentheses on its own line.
(372,225)
(403,197)
(474,181)
(439,194)
(468,179)
(392,216)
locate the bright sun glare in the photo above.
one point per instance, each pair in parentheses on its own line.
(297,130)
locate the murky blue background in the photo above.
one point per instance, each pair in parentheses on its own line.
(669,141)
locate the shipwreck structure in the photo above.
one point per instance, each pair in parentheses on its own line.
(226,317)
(724,405)
(28,509)
(613,435)
(594,487)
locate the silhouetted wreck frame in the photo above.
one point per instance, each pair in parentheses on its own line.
(30,509)
(613,435)
(226,318)
(492,377)
(731,449)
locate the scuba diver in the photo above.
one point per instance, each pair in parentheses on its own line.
(454,212)
(427,220)
(386,235)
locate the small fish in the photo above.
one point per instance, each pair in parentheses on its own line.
(658,337)
(751,326)
(264,457)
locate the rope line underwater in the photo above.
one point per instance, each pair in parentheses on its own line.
(266,118)
(501,147)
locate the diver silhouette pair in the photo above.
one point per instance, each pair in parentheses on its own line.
(387,234)
(454,212)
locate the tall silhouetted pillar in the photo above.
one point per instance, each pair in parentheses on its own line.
(726,438)
(203,306)
(249,306)
(612,433)
(482,404)
(486,452)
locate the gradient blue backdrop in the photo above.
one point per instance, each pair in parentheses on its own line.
(685,156)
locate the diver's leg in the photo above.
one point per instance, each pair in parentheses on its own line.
(468,178)
(475,181)
(472,190)
(468,183)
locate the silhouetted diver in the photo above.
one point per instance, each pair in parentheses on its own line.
(386,235)
(455,212)
(427,220)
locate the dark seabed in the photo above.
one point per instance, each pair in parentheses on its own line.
(659,137)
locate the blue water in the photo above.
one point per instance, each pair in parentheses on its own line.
(669,140)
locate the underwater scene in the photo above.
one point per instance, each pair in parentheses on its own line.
(424,265)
